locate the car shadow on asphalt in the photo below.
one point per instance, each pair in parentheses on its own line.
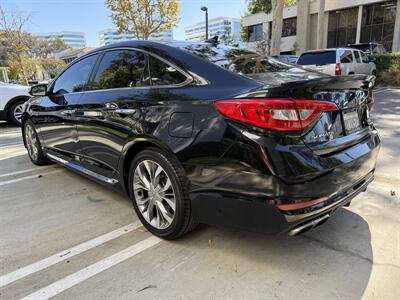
(334,260)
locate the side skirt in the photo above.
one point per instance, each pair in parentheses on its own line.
(81,169)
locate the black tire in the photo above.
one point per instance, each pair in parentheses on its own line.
(182,221)
(11,116)
(39,159)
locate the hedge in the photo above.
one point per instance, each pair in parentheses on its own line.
(388,69)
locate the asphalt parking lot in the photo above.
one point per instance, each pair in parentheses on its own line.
(64,236)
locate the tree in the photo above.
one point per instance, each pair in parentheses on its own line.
(276,31)
(16,40)
(144,17)
(46,49)
(52,66)
(276,6)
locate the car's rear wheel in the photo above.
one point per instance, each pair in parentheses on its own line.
(15,112)
(159,190)
(33,145)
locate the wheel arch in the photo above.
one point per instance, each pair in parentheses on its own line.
(131,149)
(12,101)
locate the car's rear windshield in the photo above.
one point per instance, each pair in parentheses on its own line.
(317,58)
(362,47)
(237,60)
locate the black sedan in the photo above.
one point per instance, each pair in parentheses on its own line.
(204,133)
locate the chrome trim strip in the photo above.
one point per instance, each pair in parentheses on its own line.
(82,169)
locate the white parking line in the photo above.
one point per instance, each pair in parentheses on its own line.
(29,177)
(63,255)
(21,172)
(11,154)
(90,271)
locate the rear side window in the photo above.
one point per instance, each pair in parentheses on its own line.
(121,69)
(163,74)
(346,57)
(317,58)
(357,56)
(74,79)
(364,58)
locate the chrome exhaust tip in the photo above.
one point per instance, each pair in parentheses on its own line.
(307,226)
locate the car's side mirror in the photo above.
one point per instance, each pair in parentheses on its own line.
(38,90)
(372,59)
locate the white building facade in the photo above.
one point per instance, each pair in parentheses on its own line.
(110,36)
(216,26)
(75,40)
(315,24)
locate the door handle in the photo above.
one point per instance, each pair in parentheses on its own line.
(68,112)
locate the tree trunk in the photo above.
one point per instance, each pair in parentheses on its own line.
(276,33)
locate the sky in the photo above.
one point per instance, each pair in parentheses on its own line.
(91,16)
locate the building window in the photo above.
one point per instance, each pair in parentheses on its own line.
(289,27)
(377,23)
(342,27)
(255,33)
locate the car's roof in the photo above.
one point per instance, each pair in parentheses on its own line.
(146,43)
(365,44)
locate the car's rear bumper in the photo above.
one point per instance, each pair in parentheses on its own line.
(235,196)
(214,209)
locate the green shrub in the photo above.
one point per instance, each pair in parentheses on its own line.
(388,69)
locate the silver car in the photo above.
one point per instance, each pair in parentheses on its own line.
(338,61)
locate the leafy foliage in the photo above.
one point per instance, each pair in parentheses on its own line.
(25,54)
(257,6)
(388,69)
(144,17)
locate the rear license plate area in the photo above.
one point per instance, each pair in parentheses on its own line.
(351,120)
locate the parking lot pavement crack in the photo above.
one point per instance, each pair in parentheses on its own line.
(351,253)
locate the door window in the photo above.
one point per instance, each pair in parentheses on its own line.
(357,56)
(121,69)
(74,79)
(164,74)
(346,57)
(364,58)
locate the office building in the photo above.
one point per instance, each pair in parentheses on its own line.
(110,36)
(216,26)
(316,24)
(75,40)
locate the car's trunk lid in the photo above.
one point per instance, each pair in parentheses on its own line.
(333,130)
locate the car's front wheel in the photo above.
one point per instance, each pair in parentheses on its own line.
(159,190)
(33,145)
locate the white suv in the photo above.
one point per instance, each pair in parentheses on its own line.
(338,61)
(12,97)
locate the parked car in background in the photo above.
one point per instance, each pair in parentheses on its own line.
(287,58)
(369,48)
(338,61)
(12,97)
(197,133)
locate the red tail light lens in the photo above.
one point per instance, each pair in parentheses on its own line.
(338,70)
(274,114)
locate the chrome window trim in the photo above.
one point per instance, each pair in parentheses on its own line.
(189,78)
(75,61)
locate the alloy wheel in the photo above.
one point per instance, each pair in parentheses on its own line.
(154,194)
(18,113)
(31,142)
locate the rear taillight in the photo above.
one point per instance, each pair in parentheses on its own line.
(338,70)
(274,114)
